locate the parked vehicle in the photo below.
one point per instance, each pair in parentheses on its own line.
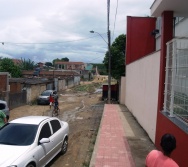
(45,95)
(32,141)
(4,107)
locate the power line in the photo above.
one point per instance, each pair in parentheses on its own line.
(50,43)
(115,21)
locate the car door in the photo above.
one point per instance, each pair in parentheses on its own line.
(57,136)
(44,149)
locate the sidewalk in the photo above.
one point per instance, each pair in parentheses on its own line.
(121,142)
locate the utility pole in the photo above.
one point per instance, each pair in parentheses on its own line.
(109,54)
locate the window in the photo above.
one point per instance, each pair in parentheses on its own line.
(45,131)
(178,19)
(158,26)
(176,82)
(2,106)
(18,134)
(55,125)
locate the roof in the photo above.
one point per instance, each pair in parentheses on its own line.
(179,7)
(35,120)
(53,72)
(69,63)
(31,81)
(16,61)
(2,101)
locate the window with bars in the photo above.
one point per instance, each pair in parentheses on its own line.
(176,82)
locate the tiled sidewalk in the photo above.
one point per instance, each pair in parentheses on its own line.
(111,149)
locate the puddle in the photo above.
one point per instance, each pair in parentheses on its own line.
(98,91)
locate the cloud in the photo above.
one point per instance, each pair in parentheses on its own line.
(44,30)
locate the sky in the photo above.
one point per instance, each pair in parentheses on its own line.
(43,30)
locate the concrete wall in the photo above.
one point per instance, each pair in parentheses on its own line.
(61,84)
(122,92)
(180,30)
(15,87)
(70,82)
(34,91)
(76,80)
(141,87)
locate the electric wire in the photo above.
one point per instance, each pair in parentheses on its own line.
(49,43)
(115,21)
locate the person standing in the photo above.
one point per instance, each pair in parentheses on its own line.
(51,100)
(3,118)
(162,159)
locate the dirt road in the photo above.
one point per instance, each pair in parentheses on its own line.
(83,112)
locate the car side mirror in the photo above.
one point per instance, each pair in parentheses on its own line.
(44,140)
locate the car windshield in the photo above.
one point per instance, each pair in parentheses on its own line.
(18,134)
(46,93)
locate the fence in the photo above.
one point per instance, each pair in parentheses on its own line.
(176,83)
(15,99)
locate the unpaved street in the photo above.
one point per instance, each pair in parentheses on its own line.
(83,111)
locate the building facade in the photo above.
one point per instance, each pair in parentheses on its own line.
(157,78)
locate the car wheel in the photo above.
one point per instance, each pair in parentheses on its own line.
(30,165)
(64,146)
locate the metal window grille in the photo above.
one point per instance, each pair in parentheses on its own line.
(176,82)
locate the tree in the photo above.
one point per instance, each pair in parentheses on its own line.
(27,64)
(48,64)
(65,59)
(55,61)
(101,68)
(117,50)
(62,59)
(7,65)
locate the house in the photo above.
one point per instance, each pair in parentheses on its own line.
(50,74)
(64,65)
(4,85)
(40,65)
(84,69)
(87,72)
(17,61)
(21,91)
(32,86)
(62,79)
(156,82)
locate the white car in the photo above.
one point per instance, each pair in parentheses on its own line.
(32,141)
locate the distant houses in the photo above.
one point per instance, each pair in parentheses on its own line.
(84,69)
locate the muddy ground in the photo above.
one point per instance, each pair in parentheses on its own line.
(83,111)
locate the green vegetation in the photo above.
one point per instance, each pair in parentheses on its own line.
(86,163)
(101,69)
(62,59)
(48,64)
(87,88)
(7,65)
(117,50)
(27,64)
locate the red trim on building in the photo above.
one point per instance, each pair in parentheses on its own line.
(166,35)
(139,42)
(164,125)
